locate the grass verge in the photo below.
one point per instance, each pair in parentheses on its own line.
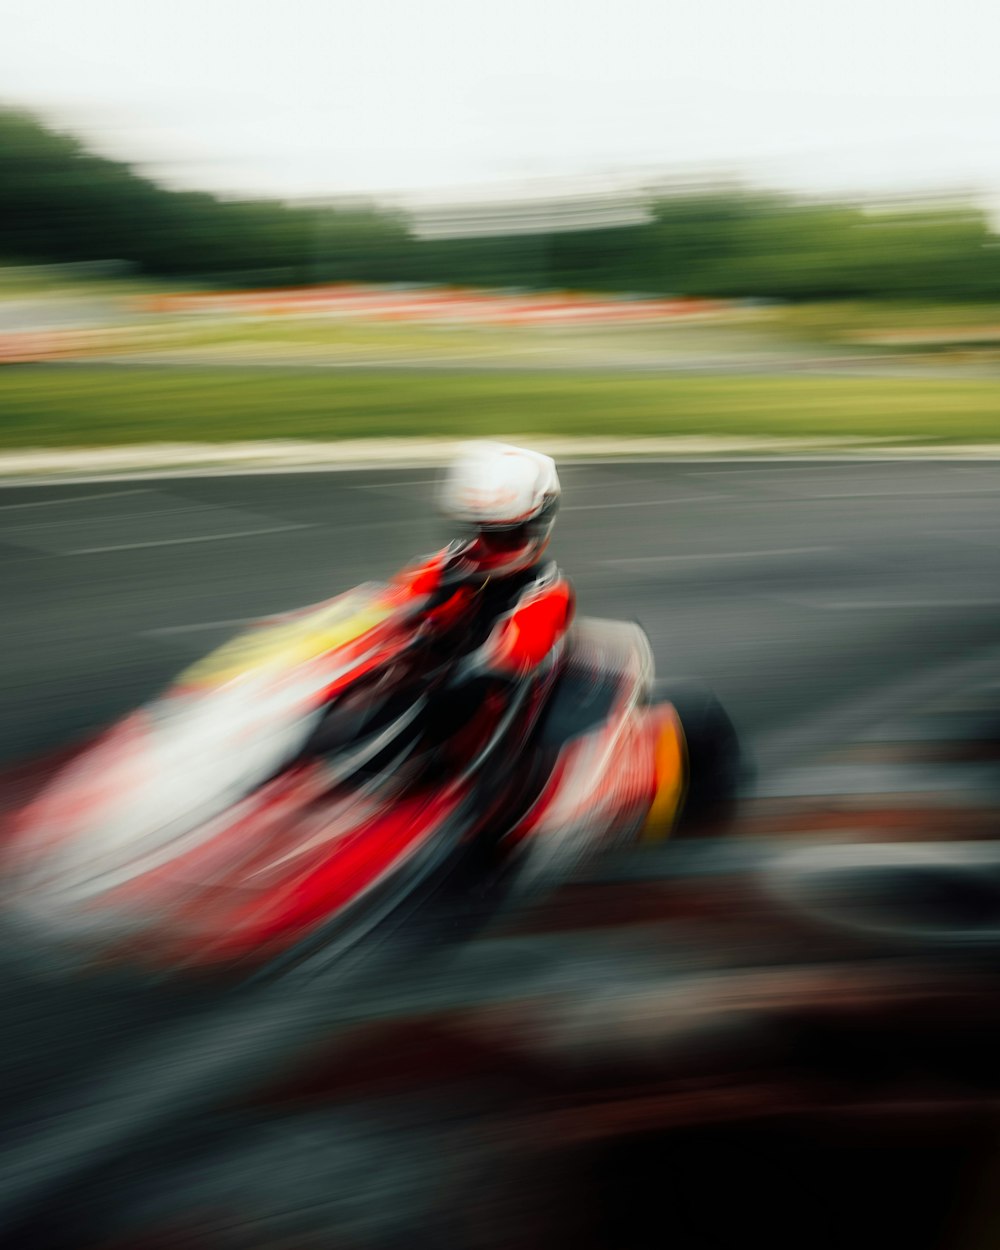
(63,406)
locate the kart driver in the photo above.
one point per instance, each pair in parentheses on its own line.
(490,609)
(492,587)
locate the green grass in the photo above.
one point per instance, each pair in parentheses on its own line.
(286,339)
(852,321)
(18,281)
(333,337)
(46,406)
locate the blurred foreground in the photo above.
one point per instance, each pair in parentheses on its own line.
(690,1047)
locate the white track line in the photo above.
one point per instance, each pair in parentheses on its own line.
(191,629)
(896,494)
(420,481)
(175,542)
(773,468)
(46,503)
(722,555)
(886,605)
(188,509)
(641,503)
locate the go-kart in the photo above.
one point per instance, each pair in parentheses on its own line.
(330,769)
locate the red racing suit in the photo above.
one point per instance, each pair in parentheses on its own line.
(511,622)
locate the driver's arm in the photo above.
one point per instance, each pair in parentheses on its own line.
(445,600)
(522,638)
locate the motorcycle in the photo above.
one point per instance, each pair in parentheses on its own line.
(331,769)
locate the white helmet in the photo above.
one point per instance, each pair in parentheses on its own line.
(509,496)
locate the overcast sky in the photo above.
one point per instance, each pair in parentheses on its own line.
(304,97)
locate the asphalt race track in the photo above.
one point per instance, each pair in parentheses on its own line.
(846,612)
(802,591)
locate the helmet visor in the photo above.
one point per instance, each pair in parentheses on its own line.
(504,542)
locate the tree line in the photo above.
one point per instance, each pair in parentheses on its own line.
(60,202)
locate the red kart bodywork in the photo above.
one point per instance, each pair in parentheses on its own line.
(198,831)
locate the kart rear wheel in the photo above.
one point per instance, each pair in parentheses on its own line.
(717,767)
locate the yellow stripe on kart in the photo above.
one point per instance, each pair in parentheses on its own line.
(289,643)
(670,763)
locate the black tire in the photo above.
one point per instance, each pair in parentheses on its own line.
(718,769)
